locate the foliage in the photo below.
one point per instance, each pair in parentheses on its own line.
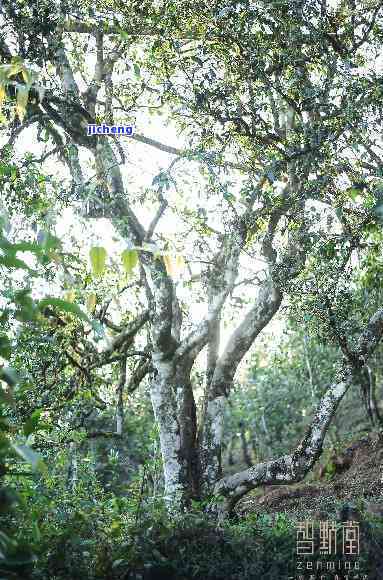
(273,197)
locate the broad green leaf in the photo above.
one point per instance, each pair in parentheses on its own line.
(36,534)
(129,260)
(70,296)
(22,101)
(353,193)
(174,264)
(169,265)
(10,261)
(63,305)
(32,422)
(5,346)
(27,247)
(91,302)
(97,256)
(34,459)
(2,94)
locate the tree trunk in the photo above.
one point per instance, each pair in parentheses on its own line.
(267,304)
(245,447)
(175,414)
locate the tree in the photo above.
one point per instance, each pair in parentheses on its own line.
(279,105)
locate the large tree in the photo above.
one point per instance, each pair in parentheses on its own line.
(278,104)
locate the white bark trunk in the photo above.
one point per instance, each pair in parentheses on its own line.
(174,411)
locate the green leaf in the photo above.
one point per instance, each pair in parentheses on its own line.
(26,247)
(22,101)
(17,65)
(353,193)
(137,70)
(91,302)
(34,459)
(97,256)
(124,34)
(5,346)
(31,424)
(129,260)
(63,305)
(36,534)
(10,261)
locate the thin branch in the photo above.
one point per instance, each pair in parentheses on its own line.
(120,399)
(127,335)
(143,369)
(157,217)
(185,153)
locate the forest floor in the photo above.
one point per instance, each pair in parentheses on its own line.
(339,488)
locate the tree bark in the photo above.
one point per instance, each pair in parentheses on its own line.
(175,413)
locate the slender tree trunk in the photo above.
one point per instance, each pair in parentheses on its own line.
(230,448)
(73,467)
(374,402)
(254,445)
(245,447)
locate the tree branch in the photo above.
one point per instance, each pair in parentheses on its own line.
(125,338)
(185,153)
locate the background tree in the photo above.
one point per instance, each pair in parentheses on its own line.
(279,105)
